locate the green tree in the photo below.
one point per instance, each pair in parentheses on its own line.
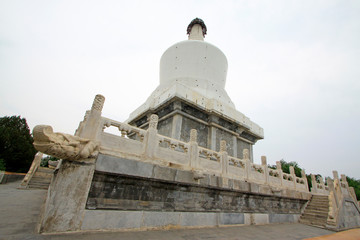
(2,165)
(285,166)
(355,184)
(16,148)
(45,160)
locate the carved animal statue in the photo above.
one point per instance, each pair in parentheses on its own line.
(62,145)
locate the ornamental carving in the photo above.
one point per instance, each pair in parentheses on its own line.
(223,146)
(98,102)
(246,154)
(153,121)
(62,145)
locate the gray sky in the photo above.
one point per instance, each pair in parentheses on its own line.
(293,67)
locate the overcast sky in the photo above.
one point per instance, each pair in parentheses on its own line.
(294,67)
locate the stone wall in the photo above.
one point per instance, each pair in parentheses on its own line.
(124,192)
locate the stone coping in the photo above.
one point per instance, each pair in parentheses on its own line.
(118,165)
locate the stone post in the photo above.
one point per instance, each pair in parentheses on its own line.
(292,173)
(303,176)
(246,158)
(337,185)
(34,166)
(224,158)
(336,175)
(266,169)
(92,125)
(279,169)
(313,183)
(330,184)
(151,141)
(193,151)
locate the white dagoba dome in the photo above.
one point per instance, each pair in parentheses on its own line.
(196,64)
(195,71)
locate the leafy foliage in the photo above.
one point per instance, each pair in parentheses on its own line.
(355,184)
(2,165)
(16,149)
(285,166)
(45,160)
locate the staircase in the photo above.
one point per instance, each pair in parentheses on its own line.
(316,212)
(41,178)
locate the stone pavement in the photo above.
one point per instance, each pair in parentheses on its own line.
(19,214)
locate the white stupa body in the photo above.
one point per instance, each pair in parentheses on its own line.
(196,71)
(192,95)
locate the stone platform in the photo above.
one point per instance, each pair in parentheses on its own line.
(20,210)
(120,193)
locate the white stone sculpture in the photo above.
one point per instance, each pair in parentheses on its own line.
(62,145)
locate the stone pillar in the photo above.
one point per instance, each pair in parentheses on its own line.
(247,163)
(322,183)
(224,158)
(176,126)
(34,166)
(303,176)
(213,138)
(194,151)
(278,167)
(235,146)
(331,186)
(313,183)
(176,122)
(266,169)
(336,175)
(292,173)
(343,179)
(151,142)
(67,195)
(92,124)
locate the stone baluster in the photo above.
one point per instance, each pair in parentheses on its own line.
(303,176)
(194,150)
(279,169)
(313,183)
(92,125)
(293,176)
(322,184)
(151,139)
(344,180)
(336,175)
(337,187)
(34,166)
(246,159)
(330,184)
(266,169)
(224,158)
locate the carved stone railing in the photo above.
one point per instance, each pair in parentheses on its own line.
(148,145)
(339,192)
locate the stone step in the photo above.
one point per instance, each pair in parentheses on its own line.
(313,209)
(39,186)
(318,209)
(313,218)
(313,223)
(320,202)
(37,176)
(314,215)
(45,170)
(316,212)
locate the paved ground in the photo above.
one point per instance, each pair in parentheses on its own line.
(19,213)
